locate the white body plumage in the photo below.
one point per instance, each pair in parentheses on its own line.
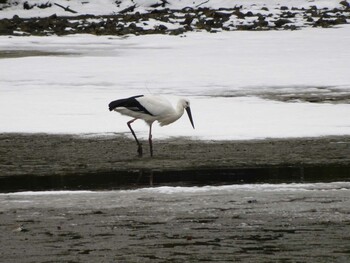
(160,108)
(150,109)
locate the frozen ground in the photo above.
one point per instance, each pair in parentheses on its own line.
(109,7)
(242,85)
(241,223)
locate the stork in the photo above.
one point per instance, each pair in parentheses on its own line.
(150,109)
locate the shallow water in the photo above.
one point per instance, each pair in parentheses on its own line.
(29,53)
(244,223)
(138,178)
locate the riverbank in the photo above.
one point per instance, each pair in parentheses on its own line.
(237,223)
(114,160)
(141,19)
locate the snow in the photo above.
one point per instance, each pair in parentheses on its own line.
(178,190)
(45,193)
(224,75)
(176,197)
(290,187)
(236,81)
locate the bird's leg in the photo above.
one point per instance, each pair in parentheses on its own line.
(139,145)
(150,140)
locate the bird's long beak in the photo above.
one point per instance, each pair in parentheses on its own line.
(190,115)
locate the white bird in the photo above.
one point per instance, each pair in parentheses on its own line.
(150,109)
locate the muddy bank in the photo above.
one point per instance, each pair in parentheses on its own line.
(113,160)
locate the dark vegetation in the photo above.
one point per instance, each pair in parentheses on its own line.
(161,20)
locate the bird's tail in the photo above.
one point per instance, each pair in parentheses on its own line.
(114,104)
(128,102)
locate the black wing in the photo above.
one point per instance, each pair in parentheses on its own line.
(129,103)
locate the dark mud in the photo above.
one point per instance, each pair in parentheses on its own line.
(313,94)
(41,161)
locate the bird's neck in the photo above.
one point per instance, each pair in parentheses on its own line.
(174,115)
(179,111)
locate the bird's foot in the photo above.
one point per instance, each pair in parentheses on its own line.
(139,150)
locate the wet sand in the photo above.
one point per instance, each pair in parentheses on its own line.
(237,226)
(43,154)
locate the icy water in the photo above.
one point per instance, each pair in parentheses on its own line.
(232,223)
(139,178)
(270,89)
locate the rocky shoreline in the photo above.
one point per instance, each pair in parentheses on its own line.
(162,20)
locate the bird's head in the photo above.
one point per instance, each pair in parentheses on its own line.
(186,104)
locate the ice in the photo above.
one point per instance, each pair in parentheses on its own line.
(202,195)
(178,190)
(44,193)
(229,78)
